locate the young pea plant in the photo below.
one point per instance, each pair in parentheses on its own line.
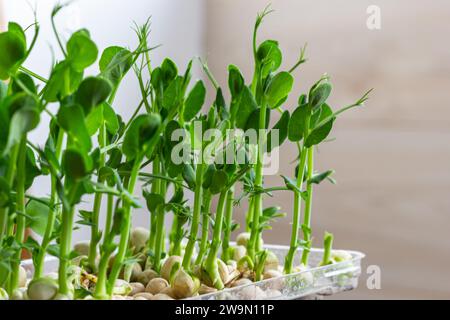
(20,110)
(311,123)
(251,108)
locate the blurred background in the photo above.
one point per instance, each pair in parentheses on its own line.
(392,158)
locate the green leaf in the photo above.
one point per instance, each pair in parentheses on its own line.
(13,50)
(319,134)
(32,170)
(296,129)
(153,200)
(114,63)
(92,92)
(253,120)
(81,50)
(25,118)
(207,176)
(140,133)
(291,185)
(189,175)
(236,81)
(173,95)
(169,71)
(94,120)
(118,222)
(245,108)
(38,212)
(64,81)
(319,94)
(194,101)
(76,165)
(71,119)
(221,106)
(319,178)
(24,80)
(269,56)
(279,88)
(219,182)
(16,29)
(282,126)
(110,118)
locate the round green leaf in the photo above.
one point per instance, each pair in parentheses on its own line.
(23,79)
(173,95)
(114,63)
(319,134)
(236,81)
(219,182)
(141,131)
(57,87)
(110,118)
(282,126)
(13,50)
(76,165)
(269,56)
(296,130)
(71,119)
(38,212)
(81,50)
(246,106)
(319,95)
(279,88)
(92,92)
(169,71)
(26,117)
(153,201)
(194,101)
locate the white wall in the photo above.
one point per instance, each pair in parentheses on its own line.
(176,24)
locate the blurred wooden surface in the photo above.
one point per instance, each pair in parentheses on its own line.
(392,158)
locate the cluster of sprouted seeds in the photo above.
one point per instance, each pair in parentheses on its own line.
(91,150)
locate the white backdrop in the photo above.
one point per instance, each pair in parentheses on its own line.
(177,25)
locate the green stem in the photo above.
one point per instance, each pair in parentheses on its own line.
(58,39)
(109,214)
(125,230)
(10,173)
(327,246)
(258,201)
(260,266)
(20,207)
(205,226)
(296,214)
(211,266)
(66,242)
(159,245)
(106,252)
(153,218)
(249,216)
(308,208)
(226,250)
(95,233)
(39,264)
(175,248)
(33,74)
(289,260)
(195,216)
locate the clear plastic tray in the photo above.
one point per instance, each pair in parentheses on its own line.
(317,281)
(325,281)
